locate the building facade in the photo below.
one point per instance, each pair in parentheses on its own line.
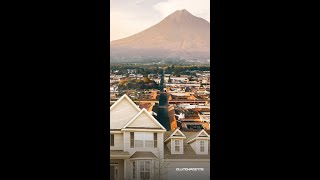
(142,149)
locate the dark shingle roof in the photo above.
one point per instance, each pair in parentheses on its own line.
(140,154)
(192,135)
(118,152)
(167,134)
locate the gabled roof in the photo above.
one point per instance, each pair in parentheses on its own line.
(174,134)
(142,119)
(122,111)
(202,134)
(123,98)
(119,154)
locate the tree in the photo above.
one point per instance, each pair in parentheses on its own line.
(123,82)
(159,167)
(146,80)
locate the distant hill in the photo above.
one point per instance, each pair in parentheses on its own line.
(180,35)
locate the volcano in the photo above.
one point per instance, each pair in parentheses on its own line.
(179,35)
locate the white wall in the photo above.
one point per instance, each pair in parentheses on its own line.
(196,146)
(118,142)
(143,120)
(121,114)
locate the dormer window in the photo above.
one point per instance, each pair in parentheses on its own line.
(175,142)
(200,142)
(202,146)
(177,145)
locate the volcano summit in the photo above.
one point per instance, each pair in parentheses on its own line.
(179,35)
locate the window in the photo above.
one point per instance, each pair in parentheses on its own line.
(138,139)
(155,139)
(145,170)
(201,146)
(134,170)
(148,140)
(112,140)
(176,145)
(131,139)
(143,139)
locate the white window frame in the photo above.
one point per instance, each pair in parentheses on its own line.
(144,167)
(179,145)
(144,139)
(205,146)
(204,150)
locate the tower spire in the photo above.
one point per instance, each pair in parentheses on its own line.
(163,114)
(162,83)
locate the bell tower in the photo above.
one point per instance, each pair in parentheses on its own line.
(163,115)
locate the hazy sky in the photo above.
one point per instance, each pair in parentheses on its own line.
(129,17)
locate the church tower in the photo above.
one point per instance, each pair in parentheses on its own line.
(163,115)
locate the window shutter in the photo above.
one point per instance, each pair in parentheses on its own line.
(155,139)
(112,140)
(134,170)
(132,139)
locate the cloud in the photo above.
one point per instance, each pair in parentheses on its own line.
(140,1)
(199,8)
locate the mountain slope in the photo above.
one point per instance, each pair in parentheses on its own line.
(178,35)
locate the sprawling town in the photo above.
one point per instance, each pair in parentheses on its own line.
(187,89)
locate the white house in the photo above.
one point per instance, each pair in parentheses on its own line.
(142,149)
